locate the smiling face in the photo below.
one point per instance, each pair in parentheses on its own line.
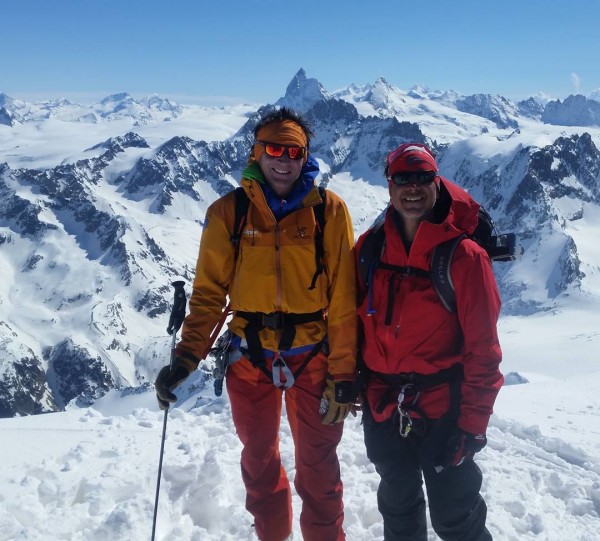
(280,173)
(413,202)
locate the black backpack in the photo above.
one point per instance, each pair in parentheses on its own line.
(241,210)
(499,248)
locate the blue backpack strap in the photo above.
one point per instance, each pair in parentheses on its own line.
(441,258)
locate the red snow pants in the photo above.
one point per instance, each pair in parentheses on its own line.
(256,409)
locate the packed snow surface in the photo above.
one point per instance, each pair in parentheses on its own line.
(90,474)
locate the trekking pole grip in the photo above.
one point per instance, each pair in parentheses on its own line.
(177,313)
(178,310)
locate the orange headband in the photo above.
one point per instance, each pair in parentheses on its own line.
(282,132)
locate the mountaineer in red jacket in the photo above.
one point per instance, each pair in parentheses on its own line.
(431,375)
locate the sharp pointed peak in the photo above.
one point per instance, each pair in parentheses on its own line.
(302,92)
(301,74)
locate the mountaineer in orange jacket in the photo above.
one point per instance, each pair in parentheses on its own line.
(431,374)
(292,291)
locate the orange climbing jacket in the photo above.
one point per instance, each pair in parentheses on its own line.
(272,275)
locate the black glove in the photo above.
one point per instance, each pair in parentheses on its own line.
(461,446)
(336,403)
(168,378)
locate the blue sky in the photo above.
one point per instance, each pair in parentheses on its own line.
(218,52)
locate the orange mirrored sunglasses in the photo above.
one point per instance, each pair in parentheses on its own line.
(276,151)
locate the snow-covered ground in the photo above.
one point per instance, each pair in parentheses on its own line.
(90,474)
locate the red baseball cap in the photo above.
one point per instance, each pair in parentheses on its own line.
(410,157)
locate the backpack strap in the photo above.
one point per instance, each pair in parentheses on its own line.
(402,272)
(368,260)
(441,258)
(370,253)
(319,211)
(440,271)
(242,203)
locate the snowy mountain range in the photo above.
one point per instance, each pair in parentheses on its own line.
(102,206)
(149,109)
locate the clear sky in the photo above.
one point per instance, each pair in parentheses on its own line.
(220,51)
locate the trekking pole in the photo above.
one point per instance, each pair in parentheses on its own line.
(175,321)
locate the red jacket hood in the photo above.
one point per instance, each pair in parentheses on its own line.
(463,208)
(461,217)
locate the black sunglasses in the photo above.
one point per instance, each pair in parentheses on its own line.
(419,178)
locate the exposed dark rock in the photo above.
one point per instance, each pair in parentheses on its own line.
(75,374)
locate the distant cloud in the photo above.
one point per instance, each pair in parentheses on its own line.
(576,80)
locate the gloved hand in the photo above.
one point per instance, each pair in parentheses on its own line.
(168,378)
(462,446)
(337,401)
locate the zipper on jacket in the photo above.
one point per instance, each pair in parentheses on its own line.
(279,296)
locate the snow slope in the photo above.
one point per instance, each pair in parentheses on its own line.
(90,474)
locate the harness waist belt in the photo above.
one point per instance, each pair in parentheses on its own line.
(421,382)
(416,383)
(276,321)
(279,320)
(287,324)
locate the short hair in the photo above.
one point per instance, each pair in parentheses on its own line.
(285,114)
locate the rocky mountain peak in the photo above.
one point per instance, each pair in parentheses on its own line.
(158,103)
(114,99)
(5,117)
(302,92)
(576,110)
(495,108)
(379,93)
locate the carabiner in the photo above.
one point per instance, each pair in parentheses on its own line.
(405,418)
(405,423)
(281,368)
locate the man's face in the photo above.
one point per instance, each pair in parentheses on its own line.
(413,201)
(280,173)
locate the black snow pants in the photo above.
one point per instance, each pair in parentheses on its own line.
(457,510)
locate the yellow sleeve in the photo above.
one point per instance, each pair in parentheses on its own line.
(339,264)
(214,271)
